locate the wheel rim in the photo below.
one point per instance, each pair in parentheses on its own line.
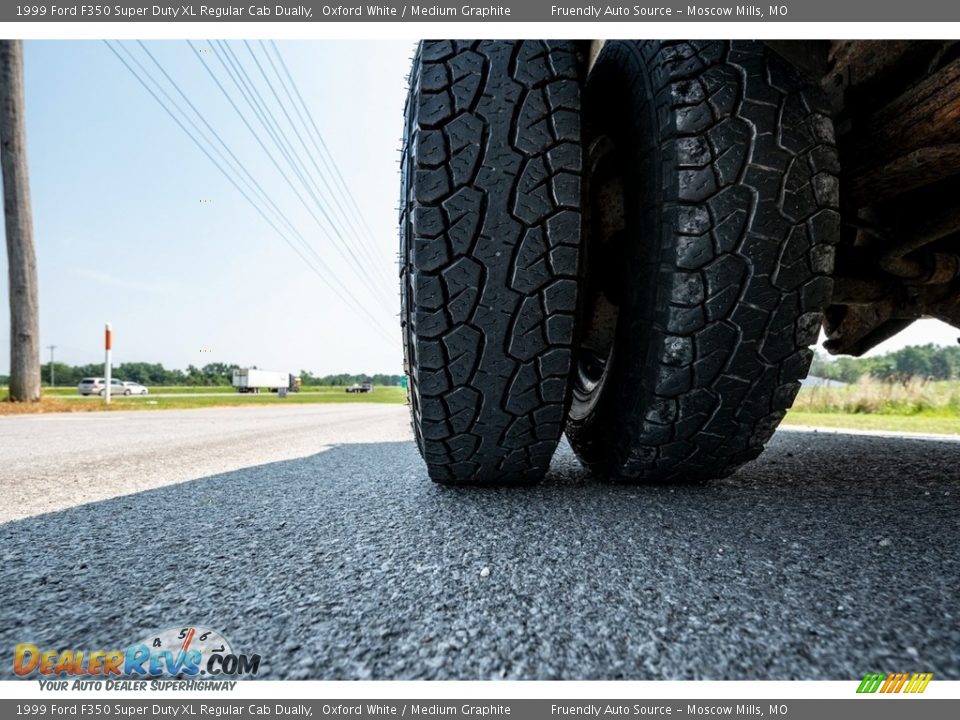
(605,225)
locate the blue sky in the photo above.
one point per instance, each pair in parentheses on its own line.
(135,225)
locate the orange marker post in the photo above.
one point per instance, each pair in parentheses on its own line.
(108,346)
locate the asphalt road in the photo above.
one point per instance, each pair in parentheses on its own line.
(830,556)
(60,460)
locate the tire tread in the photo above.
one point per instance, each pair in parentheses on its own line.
(749,217)
(490,238)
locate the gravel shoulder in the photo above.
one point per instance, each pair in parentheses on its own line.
(56,461)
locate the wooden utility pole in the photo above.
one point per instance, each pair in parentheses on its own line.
(21,256)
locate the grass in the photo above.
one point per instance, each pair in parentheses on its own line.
(161,400)
(888,423)
(71,391)
(154,390)
(872,397)
(915,406)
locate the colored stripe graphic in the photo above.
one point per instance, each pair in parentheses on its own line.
(918,683)
(894,682)
(870,683)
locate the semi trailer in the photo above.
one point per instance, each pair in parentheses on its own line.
(636,242)
(251,380)
(364,387)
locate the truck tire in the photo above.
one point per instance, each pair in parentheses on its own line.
(489,245)
(713,196)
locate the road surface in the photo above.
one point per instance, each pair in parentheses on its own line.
(59,460)
(830,556)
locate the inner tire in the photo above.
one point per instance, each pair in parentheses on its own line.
(728,172)
(489,245)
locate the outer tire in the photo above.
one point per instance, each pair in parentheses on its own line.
(729,185)
(489,240)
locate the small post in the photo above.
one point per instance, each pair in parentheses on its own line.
(53,375)
(108,346)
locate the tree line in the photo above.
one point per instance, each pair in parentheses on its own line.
(210,375)
(930,362)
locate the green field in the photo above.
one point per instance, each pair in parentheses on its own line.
(67,399)
(889,423)
(920,407)
(71,392)
(873,397)
(914,406)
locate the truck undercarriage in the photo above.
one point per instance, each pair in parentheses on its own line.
(896,110)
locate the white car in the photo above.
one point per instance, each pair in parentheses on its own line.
(97,386)
(91,386)
(116,388)
(132,388)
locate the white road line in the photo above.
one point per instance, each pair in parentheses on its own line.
(871,433)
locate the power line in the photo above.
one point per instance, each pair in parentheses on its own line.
(357,305)
(343,183)
(253,132)
(250,181)
(270,123)
(362,240)
(173,102)
(260,107)
(266,150)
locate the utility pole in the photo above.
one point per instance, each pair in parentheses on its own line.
(52,374)
(21,256)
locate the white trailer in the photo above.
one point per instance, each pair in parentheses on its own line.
(249,380)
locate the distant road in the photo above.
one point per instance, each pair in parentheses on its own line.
(59,460)
(91,398)
(311,535)
(221,393)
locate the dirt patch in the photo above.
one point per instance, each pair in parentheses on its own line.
(46,405)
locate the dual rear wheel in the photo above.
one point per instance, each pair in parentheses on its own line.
(638,255)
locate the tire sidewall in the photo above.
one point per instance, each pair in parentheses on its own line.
(633,126)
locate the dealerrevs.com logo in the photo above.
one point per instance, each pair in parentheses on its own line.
(184,652)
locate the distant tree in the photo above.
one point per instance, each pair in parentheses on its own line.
(940,367)
(915,361)
(885,368)
(63,374)
(210,375)
(218,373)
